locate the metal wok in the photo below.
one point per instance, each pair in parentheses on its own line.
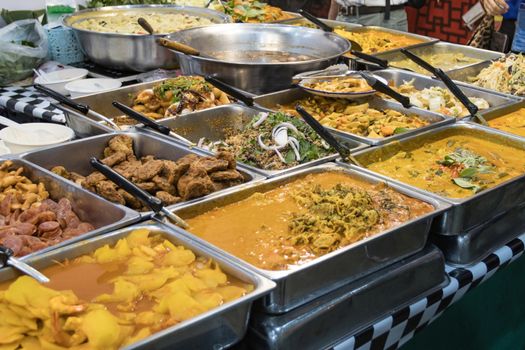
(228,45)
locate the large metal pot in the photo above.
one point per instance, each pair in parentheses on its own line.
(257,76)
(136,52)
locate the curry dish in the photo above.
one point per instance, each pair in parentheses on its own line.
(455,165)
(113,297)
(446,61)
(513,122)
(356,117)
(375,41)
(304,219)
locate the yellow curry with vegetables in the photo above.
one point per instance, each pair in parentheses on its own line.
(113,297)
(455,165)
(304,219)
(513,122)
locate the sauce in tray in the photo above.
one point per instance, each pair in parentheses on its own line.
(513,122)
(113,297)
(453,165)
(304,219)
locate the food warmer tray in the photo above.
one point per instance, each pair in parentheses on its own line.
(495,99)
(442,47)
(85,127)
(75,156)
(318,277)
(103,215)
(323,322)
(467,213)
(213,124)
(217,328)
(504,110)
(269,101)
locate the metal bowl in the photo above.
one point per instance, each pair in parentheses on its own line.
(257,76)
(135,52)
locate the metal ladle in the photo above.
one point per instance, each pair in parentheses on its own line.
(7,259)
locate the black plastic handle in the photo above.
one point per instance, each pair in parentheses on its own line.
(62,99)
(141,118)
(323,133)
(419,61)
(145,25)
(379,61)
(153,202)
(316,21)
(5,254)
(378,85)
(230,90)
(456,91)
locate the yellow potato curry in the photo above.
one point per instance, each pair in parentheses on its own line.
(113,297)
(304,219)
(513,122)
(454,165)
(374,41)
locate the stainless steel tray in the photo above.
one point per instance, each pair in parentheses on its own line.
(334,317)
(466,213)
(216,122)
(442,47)
(504,110)
(103,215)
(75,156)
(496,100)
(470,247)
(217,328)
(302,284)
(269,101)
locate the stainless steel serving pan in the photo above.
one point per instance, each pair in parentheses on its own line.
(258,77)
(136,52)
(441,47)
(215,123)
(269,101)
(303,284)
(103,215)
(504,110)
(467,213)
(496,100)
(220,327)
(75,156)
(344,312)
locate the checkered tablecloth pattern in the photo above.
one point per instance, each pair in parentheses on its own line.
(30,102)
(395,330)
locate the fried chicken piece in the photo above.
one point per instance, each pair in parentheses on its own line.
(149,170)
(172,171)
(212,164)
(115,158)
(147,186)
(188,159)
(164,185)
(194,183)
(61,171)
(228,156)
(227,176)
(147,158)
(120,143)
(166,198)
(131,201)
(109,190)
(92,180)
(128,169)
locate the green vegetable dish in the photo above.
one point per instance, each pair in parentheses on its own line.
(272,141)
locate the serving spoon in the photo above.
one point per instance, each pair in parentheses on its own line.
(146,25)
(343,151)
(152,202)
(150,123)
(7,259)
(182,48)
(456,91)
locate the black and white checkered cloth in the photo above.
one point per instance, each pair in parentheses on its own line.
(30,102)
(398,328)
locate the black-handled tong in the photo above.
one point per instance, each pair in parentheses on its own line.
(230,90)
(7,259)
(378,85)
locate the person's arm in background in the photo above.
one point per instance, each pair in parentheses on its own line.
(495,7)
(334,9)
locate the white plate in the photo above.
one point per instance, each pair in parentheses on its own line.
(344,95)
(84,87)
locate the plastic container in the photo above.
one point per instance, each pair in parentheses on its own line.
(57,80)
(50,134)
(84,87)
(55,9)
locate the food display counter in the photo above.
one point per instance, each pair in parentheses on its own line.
(201,211)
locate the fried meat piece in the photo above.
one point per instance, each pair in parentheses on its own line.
(167,199)
(195,183)
(212,164)
(227,176)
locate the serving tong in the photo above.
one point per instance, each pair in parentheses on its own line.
(456,91)
(82,108)
(150,123)
(343,151)
(7,259)
(152,202)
